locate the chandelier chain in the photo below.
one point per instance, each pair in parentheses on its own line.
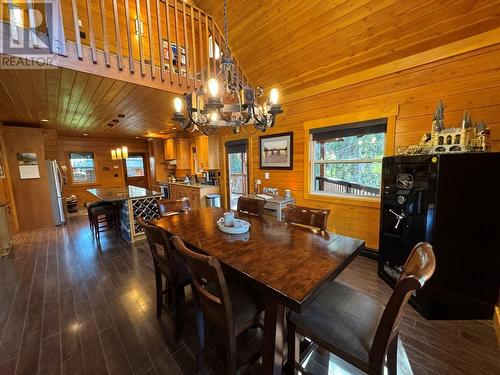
(226,33)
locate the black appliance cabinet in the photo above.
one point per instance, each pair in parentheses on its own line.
(453,202)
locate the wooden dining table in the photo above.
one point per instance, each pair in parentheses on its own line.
(285,262)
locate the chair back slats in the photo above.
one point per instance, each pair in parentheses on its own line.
(251,206)
(311,217)
(418,268)
(208,282)
(173,205)
(158,238)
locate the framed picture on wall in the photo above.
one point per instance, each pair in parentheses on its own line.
(276,151)
(28,165)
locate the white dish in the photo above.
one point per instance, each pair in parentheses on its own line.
(239,226)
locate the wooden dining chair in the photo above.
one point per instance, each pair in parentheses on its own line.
(229,305)
(170,265)
(251,206)
(310,217)
(173,206)
(353,326)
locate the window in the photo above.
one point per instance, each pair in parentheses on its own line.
(82,167)
(347,159)
(135,166)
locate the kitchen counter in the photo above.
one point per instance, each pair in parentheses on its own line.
(194,185)
(119,194)
(133,202)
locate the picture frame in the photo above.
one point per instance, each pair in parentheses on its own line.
(28,165)
(276,151)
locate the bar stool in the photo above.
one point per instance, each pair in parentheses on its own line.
(89,205)
(104,217)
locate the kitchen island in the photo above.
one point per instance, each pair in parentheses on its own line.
(133,202)
(195,192)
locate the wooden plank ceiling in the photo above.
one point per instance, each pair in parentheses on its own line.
(296,44)
(77,103)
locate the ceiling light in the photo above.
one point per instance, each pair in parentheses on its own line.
(137,137)
(119,153)
(227,103)
(44,120)
(174,128)
(85,134)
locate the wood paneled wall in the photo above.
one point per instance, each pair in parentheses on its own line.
(4,189)
(31,196)
(465,82)
(107,175)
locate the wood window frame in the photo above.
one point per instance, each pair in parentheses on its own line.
(70,169)
(373,202)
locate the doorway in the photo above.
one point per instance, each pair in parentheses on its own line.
(237,171)
(136,170)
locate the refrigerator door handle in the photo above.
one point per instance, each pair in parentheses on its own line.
(60,180)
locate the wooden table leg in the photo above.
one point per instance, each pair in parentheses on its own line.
(272,361)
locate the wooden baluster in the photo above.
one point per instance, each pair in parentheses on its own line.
(104,33)
(93,53)
(160,40)
(200,42)
(78,40)
(118,36)
(221,43)
(179,52)
(129,38)
(32,23)
(194,46)
(208,47)
(236,67)
(214,65)
(169,46)
(185,41)
(150,40)
(140,28)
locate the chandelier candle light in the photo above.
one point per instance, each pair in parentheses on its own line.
(119,153)
(233,106)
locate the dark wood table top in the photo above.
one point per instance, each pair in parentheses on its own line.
(285,260)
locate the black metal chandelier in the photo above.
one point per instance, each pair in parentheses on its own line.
(232,107)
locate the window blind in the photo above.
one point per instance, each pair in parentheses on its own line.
(349,130)
(236,147)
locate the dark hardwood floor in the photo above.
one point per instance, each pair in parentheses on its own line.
(68,306)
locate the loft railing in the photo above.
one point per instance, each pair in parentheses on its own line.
(330,185)
(171,42)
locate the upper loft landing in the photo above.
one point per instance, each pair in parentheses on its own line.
(136,41)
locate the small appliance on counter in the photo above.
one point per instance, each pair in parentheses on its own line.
(210,177)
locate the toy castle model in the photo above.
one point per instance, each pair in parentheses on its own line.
(467,138)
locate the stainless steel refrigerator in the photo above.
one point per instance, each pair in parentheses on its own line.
(55,178)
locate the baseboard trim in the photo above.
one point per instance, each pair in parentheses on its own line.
(369,253)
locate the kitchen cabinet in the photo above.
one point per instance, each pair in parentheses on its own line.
(207,152)
(196,193)
(170,149)
(178,149)
(183,153)
(159,156)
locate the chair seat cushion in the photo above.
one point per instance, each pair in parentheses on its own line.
(243,302)
(341,319)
